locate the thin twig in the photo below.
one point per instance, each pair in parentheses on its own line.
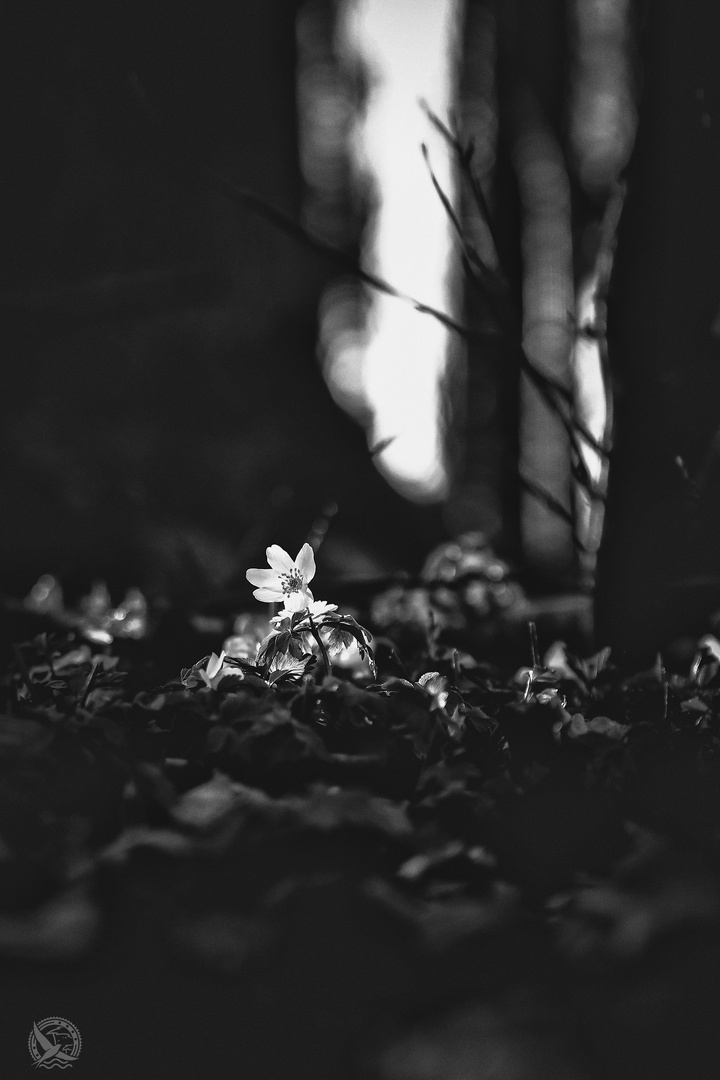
(447,205)
(88,684)
(20,660)
(583,473)
(600,448)
(534,651)
(464,155)
(543,495)
(550,389)
(472,261)
(554,505)
(244,197)
(541,380)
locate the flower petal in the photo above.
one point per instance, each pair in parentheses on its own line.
(296,601)
(262,578)
(321,607)
(279,559)
(241,646)
(214,664)
(268,596)
(305,562)
(282,616)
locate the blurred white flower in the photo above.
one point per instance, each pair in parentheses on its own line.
(316,608)
(216,669)
(436,686)
(249,631)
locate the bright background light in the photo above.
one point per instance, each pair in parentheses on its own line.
(393,371)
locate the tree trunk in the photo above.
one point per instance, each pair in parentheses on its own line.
(659,572)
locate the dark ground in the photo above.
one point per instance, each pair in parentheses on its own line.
(327,881)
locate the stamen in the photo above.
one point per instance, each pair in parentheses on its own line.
(292,582)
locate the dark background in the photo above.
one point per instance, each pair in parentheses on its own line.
(163,418)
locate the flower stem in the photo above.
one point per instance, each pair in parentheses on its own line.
(24,672)
(88,684)
(321,644)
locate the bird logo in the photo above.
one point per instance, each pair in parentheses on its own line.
(54,1043)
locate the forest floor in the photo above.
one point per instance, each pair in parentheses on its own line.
(448,868)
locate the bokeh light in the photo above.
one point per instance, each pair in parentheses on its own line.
(391,373)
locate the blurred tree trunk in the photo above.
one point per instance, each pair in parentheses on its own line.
(659,572)
(163,416)
(512,92)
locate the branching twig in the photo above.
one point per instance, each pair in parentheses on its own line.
(464,154)
(447,205)
(473,261)
(554,505)
(582,476)
(244,197)
(552,391)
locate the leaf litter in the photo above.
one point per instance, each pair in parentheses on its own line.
(506,858)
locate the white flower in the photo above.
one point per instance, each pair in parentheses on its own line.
(436,686)
(216,670)
(316,608)
(248,633)
(287,580)
(350,659)
(239,648)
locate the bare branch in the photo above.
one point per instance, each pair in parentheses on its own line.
(244,197)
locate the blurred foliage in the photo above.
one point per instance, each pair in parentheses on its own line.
(515,856)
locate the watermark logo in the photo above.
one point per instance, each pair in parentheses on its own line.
(54,1043)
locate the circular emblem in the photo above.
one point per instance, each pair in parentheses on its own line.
(54,1043)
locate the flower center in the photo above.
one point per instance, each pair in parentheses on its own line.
(292,582)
